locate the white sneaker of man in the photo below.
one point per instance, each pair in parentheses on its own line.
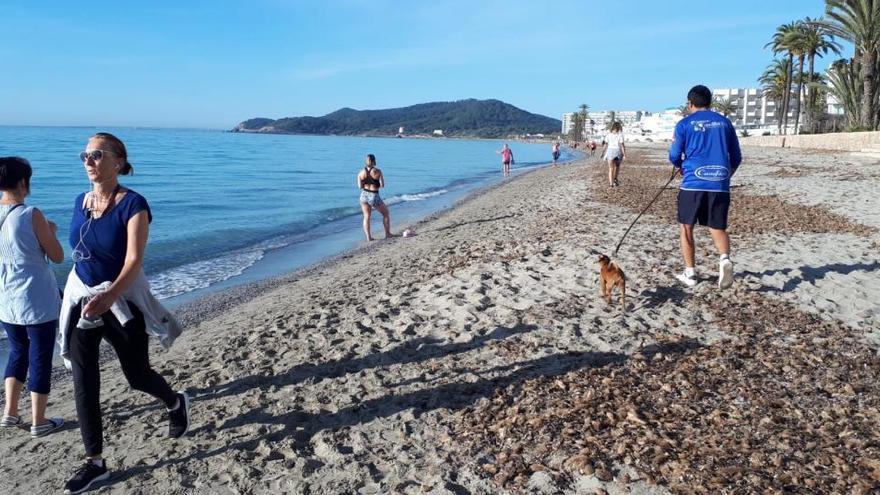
(687,279)
(725,273)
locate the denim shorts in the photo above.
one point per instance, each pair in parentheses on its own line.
(371,198)
(613,154)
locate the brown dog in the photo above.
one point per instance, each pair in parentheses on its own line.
(610,275)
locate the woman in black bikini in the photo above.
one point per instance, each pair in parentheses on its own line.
(369,180)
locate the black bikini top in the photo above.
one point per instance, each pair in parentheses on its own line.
(369,180)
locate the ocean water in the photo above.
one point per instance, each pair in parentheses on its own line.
(223,204)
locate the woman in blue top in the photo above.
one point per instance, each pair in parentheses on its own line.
(29,302)
(108,235)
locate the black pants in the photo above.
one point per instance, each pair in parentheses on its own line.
(130,344)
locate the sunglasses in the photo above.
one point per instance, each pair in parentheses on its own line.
(95,155)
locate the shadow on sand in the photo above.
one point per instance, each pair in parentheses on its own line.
(662,295)
(302,426)
(811,274)
(411,351)
(481,220)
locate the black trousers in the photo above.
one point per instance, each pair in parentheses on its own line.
(131,345)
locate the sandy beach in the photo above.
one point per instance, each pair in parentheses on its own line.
(478,357)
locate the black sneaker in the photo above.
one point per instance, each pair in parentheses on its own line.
(178,419)
(86,475)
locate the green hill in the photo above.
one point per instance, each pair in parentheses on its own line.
(465,118)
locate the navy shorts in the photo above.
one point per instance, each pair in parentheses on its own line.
(704,208)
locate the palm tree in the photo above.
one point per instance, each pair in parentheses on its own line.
(781,43)
(798,47)
(774,82)
(815,109)
(724,106)
(577,127)
(845,85)
(584,107)
(858,21)
(817,41)
(683,110)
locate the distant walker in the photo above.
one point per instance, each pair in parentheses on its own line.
(369,181)
(506,159)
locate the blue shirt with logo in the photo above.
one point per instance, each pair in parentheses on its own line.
(707,150)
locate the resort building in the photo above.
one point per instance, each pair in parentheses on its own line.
(751,109)
(833,106)
(657,126)
(602,118)
(599,121)
(567,123)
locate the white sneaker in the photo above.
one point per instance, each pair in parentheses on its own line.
(725,273)
(689,281)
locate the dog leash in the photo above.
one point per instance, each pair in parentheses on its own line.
(674,171)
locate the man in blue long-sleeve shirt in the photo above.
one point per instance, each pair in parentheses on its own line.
(706,151)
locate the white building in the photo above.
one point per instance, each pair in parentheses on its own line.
(602,118)
(658,126)
(832,105)
(567,123)
(598,121)
(753,110)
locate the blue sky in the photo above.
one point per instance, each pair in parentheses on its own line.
(215,63)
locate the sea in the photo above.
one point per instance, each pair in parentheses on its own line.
(232,208)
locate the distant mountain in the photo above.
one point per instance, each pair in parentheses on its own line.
(465,118)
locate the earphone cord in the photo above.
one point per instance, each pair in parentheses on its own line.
(112,201)
(82,235)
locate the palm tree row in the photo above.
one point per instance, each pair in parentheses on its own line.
(803,40)
(857,21)
(775,85)
(579,123)
(855,83)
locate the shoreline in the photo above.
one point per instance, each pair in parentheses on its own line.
(230,283)
(193,312)
(196,310)
(468,358)
(398,136)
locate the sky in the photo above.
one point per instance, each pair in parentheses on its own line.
(212,64)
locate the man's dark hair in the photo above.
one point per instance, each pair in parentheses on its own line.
(12,171)
(700,96)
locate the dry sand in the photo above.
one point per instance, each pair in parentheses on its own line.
(477,357)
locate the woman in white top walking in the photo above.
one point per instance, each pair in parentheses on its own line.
(29,300)
(614,152)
